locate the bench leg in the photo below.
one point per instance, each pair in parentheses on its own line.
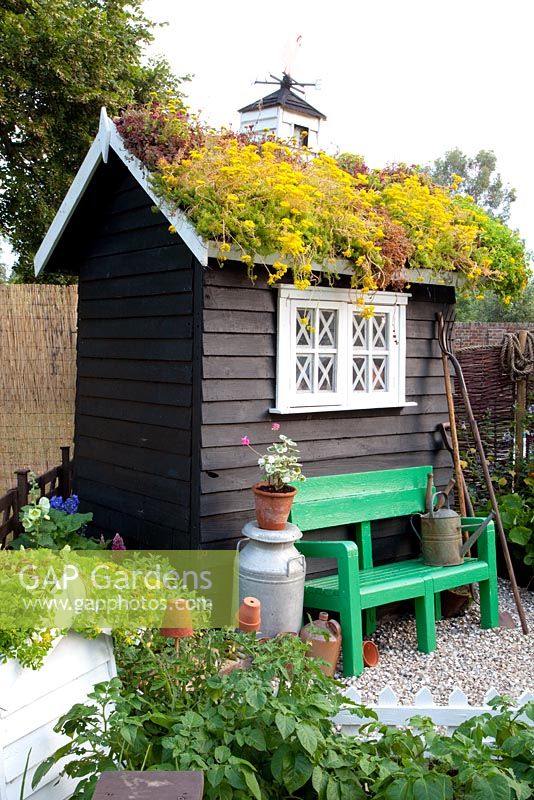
(437,605)
(369,621)
(426,620)
(351,626)
(489,603)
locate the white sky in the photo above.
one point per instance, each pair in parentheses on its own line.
(400,80)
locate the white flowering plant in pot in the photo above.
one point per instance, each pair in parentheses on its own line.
(280,466)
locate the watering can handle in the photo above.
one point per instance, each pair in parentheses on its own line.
(240,542)
(436,495)
(474,536)
(413,526)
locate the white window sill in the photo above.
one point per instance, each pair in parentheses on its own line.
(319,409)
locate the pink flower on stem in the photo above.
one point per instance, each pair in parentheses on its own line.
(275,426)
(245,440)
(118,542)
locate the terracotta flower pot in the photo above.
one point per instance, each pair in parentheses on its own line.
(248,627)
(371,655)
(272,508)
(250,610)
(177,620)
(248,616)
(454,602)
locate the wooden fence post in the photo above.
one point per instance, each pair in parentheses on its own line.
(65,482)
(21,497)
(520,406)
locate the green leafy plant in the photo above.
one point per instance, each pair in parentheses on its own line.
(256,718)
(517,513)
(48,524)
(513,483)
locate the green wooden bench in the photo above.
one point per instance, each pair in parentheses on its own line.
(357,500)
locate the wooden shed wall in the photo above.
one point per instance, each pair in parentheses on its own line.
(135,374)
(238,388)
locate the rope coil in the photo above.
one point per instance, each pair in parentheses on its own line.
(515,362)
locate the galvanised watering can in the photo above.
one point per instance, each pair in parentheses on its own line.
(441,534)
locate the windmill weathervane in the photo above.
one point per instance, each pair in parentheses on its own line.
(284,113)
(290,52)
(286,82)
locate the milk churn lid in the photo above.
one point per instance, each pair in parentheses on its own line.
(289,534)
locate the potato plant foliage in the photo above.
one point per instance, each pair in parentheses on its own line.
(265,732)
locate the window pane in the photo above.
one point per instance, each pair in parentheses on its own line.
(379,383)
(305,323)
(359,374)
(359,332)
(304,375)
(379,325)
(326,377)
(326,324)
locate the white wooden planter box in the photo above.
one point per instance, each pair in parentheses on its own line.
(31,702)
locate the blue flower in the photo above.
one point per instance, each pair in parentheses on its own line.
(57,503)
(71,504)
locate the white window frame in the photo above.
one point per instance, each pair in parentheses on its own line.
(391,304)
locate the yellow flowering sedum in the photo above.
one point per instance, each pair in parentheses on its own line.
(264,198)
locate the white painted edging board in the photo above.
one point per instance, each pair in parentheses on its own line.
(31,702)
(390,712)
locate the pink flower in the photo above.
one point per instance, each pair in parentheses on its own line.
(275,426)
(245,440)
(118,543)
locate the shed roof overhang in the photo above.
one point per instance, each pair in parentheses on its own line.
(98,153)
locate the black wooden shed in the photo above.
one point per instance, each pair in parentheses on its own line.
(177,360)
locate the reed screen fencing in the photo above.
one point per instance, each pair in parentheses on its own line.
(38,375)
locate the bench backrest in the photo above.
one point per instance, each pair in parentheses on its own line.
(332,500)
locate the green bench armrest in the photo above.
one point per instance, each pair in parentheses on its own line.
(340,550)
(348,568)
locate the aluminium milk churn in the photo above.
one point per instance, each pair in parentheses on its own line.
(272,569)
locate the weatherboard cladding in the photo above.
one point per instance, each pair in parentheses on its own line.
(133,426)
(176,362)
(238,367)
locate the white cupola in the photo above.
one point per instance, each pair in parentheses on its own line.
(283,113)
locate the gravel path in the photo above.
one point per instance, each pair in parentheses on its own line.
(466,657)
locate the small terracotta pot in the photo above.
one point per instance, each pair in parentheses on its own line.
(177,620)
(250,610)
(248,627)
(371,656)
(272,508)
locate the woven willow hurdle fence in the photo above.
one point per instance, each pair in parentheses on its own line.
(37,376)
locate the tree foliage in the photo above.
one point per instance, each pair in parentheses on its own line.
(490,308)
(480,180)
(60,61)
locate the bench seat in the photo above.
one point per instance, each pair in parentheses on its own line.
(359,587)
